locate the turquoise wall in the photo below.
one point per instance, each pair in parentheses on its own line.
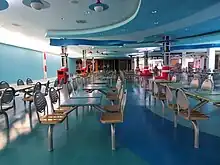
(72,65)
(19,63)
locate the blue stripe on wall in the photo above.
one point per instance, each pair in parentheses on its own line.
(20,63)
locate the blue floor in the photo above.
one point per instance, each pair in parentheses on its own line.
(145,138)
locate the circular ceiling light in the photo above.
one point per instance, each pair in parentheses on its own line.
(4,5)
(36,4)
(98,6)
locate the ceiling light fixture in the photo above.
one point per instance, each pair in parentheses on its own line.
(98,6)
(156,23)
(36,4)
(154,12)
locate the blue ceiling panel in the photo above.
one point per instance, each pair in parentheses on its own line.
(156,13)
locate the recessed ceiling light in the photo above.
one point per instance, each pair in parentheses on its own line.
(62,18)
(156,23)
(186,29)
(87,12)
(154,12)
(81,21)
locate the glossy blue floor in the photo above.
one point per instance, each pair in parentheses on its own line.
(144,138)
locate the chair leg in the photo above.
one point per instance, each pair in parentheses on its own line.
(14,105)
(196,133)
(162,102)
(6,119)
(113,135)
(30,114)
(175,119)
(50,138)
(77,112)
(66,123)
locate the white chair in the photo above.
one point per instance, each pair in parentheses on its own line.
(207,85)
(189,114)
(171,104)
(174,79)
(194,83)
(157,94)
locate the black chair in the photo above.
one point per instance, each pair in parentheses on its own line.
(47,119)
(7,102)
(56,83)
(29,81)
(3,85)
(20,82)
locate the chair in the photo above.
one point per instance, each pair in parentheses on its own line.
(75,86)
(56,83)
(174,78)
(114,118)
(29,81)
(7,102)
(45,118)
(3,85)
(29,96)
(115,107)
(54,98)
(191,115)
(194,84)
(207,85)
(47,88)
(20,82)
(171,103)
(69,89)
(157,94)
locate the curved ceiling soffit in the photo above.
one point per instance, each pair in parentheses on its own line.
(199,17)
(61,33)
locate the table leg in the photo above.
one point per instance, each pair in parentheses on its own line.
(50,137)
(196,133)
(113,135)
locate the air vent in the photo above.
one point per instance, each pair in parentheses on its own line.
(81,21)
(15,24)
(74,1)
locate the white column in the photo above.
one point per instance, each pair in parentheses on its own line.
(184,62)
(211,60)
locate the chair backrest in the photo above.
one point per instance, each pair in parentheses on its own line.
(29,81)
(194,83)
(7,96)
(169,95)
(20,82)
(40,103)
(47,87)
(56,83)
(155,88)
(37,87)
(75,86)
(182,101)
(123,102)
(61,82)
(3,85)
(174,78)
(207,85)
(54,96)
(69,88)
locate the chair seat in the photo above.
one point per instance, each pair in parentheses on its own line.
(194,115)
(112,108)
(173,106)
(54,118)
(108,118)
(7,107)
(160,96)
(31,98)
(64,110)
(112,98)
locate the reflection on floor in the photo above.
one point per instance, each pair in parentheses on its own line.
(144,138)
